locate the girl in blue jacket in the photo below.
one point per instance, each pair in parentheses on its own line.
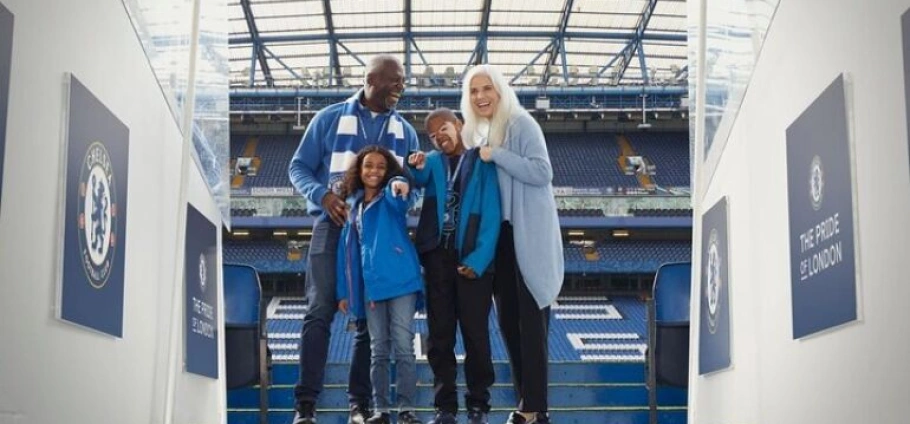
(379,274)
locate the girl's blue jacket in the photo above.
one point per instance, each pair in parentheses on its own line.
(379,262)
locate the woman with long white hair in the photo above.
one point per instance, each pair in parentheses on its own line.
(529,258)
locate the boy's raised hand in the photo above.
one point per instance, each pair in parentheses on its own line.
(400,188)
(417,160)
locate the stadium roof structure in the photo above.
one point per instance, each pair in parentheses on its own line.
(318,48)
(322,43)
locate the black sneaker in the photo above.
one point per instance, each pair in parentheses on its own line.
(516,418)
(443,417)
(476,416)
(305,414)
(408,417)
(359,414)
(380,418)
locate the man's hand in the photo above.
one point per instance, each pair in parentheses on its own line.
(343,306)
(335,207)
(467,272)
(486,153)
(418,160)
(400,188)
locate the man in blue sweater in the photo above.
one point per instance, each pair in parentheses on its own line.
(456,238)
(330,143)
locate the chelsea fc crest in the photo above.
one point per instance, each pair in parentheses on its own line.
(712,273)
(203,273)
(816,183)
(97,215)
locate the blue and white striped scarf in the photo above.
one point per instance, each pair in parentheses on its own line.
(350,138)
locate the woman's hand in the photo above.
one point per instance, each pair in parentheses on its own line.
(343,306)
(486,153)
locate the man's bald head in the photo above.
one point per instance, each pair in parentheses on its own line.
(380,62)
(384,83)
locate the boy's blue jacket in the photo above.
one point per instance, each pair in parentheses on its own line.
(479,215)
(380,264)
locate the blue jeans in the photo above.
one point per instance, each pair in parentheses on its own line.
(321,308)
(391,324)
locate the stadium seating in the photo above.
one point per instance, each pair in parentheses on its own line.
(669,152)
(626,256)
(584,212)
(587,160)
(668,326)
(579,160)
(596,347)
(264,255)
(275,153)
(660,212)
(247,357)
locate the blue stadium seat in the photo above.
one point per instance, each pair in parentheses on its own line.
(669,152)
(668,325)
(247,358)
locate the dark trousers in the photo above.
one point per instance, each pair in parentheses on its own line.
(451,300)
(523,325)
(321,308)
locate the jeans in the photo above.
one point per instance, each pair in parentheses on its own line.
(322,305)
(391,324)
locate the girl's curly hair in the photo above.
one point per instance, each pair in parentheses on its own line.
(352,182)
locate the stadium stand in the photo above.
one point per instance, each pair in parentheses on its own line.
(597,349)
(660,212)
(587,160)
(265,255)
(669,152)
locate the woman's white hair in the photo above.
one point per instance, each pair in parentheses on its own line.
(498,123)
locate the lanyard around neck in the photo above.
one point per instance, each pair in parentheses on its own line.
(382,131)
(452,176)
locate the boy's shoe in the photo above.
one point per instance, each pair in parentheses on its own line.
(443,417)
(359,414)
(408,417)
(380,418)
(516,418)
(476,416)
(305,414)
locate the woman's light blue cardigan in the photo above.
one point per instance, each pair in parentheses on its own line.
(526,189)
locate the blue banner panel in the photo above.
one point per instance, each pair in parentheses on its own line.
(95,200)
(201,282)
(6,57)
(820,193)
(714,320)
